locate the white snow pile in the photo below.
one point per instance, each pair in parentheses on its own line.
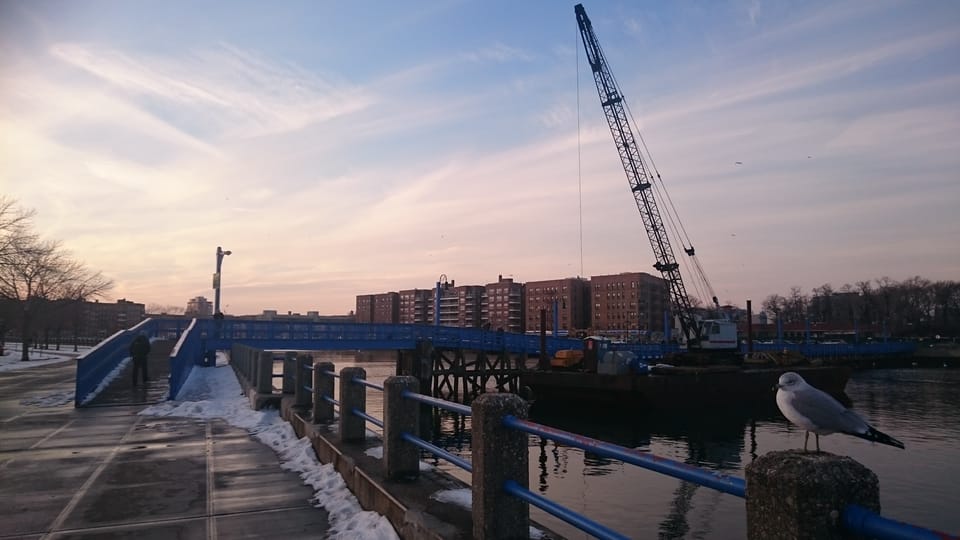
(377,452)
(463,498)
(215,393)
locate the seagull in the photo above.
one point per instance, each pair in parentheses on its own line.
(814,410)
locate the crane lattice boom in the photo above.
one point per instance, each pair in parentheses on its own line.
(638,175)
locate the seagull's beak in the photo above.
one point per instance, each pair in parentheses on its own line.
(776,387)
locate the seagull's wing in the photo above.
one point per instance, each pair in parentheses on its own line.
(826,413)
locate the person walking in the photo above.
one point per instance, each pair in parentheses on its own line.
(139,351)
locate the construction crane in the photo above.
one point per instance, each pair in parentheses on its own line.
(646,188)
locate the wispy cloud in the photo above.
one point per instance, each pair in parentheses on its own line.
(242,93)
(498,52)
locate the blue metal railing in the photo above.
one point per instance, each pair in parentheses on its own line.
(185,354)
(855,519)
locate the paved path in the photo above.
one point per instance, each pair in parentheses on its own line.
(106,472)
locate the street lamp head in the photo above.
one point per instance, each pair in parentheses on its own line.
(227,252)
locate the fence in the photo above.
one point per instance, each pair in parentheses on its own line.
(500,463)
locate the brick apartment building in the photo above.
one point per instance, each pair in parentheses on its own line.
(625,304)
(416,306)
(378,308)
(571,296)
(628,303)
(503,305)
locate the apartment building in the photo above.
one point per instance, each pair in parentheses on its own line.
(628,303)
(199,307)
(416,306)
(502,305)
(570,296)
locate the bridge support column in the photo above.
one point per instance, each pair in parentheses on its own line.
(289,372)
(352,396)
(322,386)
(301,396)
(499,454)
(798,494)
(400,415)
(264,373)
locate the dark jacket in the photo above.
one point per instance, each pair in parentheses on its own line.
(140,348)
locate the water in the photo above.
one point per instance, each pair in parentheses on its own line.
(921,407)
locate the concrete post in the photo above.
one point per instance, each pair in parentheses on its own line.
(400,458)
(265,372)
(322,386)
(289,371)
(796,494)
(499,454)
(301,396)
(352,396)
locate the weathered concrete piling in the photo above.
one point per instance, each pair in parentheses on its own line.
(499,454)
(795,494)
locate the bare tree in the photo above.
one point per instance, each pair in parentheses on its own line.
(36,274)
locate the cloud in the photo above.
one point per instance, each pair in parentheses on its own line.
(241,94)
(498,52)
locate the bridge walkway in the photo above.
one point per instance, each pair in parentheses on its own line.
(107,472)
(121,391)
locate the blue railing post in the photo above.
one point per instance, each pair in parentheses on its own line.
(352,396)
(798,494)
(301,396)
(400,458)
(499,454)
(322,386)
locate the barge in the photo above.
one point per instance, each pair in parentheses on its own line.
(674,387)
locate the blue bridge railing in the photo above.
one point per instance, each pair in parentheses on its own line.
(855,519)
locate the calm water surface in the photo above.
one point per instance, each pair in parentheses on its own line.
(921,407)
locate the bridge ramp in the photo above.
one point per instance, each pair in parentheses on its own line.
(122,392)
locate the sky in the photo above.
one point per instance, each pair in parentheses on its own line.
(346,148)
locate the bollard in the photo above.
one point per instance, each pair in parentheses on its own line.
(799,494)
(265,372)
(322,386)
(499,454)
(400,458)
(301,396)
(289,371)
(352,396)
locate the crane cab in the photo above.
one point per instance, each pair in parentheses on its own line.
(718,334)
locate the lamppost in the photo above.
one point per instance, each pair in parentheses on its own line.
(441,281)
(216,281)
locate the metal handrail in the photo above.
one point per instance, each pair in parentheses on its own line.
(368,384)
(581,522)
(718,481)
(437,451)
(436,402)
(375,421)
(862,521)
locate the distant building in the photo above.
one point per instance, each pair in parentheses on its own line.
(415,306)
(628,304)
(570,296)
(101,319)
(199,307)
(364,309)
(503,305)
(386,308)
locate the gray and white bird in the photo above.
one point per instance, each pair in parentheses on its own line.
(816,411)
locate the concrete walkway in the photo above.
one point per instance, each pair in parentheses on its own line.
(106,472)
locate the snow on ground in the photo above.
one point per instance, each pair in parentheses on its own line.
(463,498)
(10,360)
(377,452)
(215,393)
